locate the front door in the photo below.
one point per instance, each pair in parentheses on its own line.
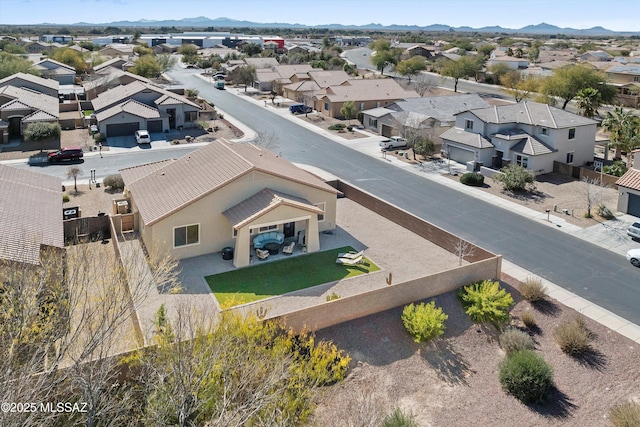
(289,229)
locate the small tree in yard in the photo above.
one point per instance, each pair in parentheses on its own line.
(74,172)
(348,110)
(424,147)
(516,178)
(463,249)
(592,191)
(421,84)
(424,321)
(486,302)
(39,132)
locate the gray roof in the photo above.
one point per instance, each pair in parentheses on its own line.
(11,80)
(441,108)
(625,69)
(130,106)
(32,99)
(31,206)
(124,92)
(531,113)
(467,138)
(378,112)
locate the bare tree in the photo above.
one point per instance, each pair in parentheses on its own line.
(268,140)
(463,249)
(74,172)
(421,84)
(592,191)
(414,131)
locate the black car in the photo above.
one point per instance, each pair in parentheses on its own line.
(299,109)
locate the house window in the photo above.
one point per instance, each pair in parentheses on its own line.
(186,235)
(544,131)
(468,124)
(190,116)
(572,133)
(636,79)
(361,106)
(377,104)
(320,205)
(235,232)
(570,157)
(326,106)
(373,123)
(522,161)
(268,228)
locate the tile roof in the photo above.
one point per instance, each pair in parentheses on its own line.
(261,62)
(54,62)
(130,106)
(114,62)
(161,189)
(122,93)
(39,116)
(326,78)
(368,90)
(467,138)
(378,112)
(49,83)
(625,69)
(262,202)
(631,179)
(31,214)
(532,113)
(303,86)
(441,108)
(532,147)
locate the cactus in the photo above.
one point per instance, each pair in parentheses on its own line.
(389,279)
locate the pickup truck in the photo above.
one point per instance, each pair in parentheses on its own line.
(393,142)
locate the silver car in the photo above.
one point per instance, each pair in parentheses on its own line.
(393,142)
(634,230)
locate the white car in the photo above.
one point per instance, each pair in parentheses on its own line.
(633,255)
(393,142)
(634,230)
(143,137)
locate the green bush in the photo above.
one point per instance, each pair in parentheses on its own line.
(513,340)
(424,321)
(618,168)
(65,198)
(625,414)
(528,319)
(114,181)
(526,376)
(486,302)
(516,178)
(337,126)
(573,336)
(605,212)
(333,296)
(398,418)
(473,179)
(321,363)
(533,290)
(97,137)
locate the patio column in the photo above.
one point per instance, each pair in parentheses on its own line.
(243,248)
(312,237)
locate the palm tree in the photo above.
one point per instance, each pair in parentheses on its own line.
(588,101)
(624,130)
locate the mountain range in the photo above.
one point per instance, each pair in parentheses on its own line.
(204,22)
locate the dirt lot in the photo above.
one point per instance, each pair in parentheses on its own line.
(454,381)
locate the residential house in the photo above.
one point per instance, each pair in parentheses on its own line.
(366,94)
(29,81)
(529,134)
(510,61)
(261,63)
(108,78)
(31,221)
(626,78)
(117,50)
(317,79)
(54,70)
(595,56)
(223,195)
(38,47)
(124,109)
(281,75)
(119,63)
(421,50)
(430,116)
(629,188)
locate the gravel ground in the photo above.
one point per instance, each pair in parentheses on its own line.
(454,381)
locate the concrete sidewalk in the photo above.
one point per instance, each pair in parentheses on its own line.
(610,235)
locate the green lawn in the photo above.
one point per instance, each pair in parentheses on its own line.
(279,277)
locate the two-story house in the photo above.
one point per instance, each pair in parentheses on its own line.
(530,134)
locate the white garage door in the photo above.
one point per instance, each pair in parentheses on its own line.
(460,155)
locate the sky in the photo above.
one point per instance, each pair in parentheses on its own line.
(617,15)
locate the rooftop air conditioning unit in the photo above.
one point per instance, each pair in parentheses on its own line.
(123,207)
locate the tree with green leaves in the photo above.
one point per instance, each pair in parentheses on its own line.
(348,110)
(41,131)
(499,70)
(382,58)
(567,81)
(518,87)
(516,178)
(244,75)
(466,66)
(70,57)
(166,61)
(74,172)
(252,49)
(588,100)
(12,64)
(147,66)
(624,131)
(412,66)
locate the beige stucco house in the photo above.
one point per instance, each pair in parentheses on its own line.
(629,188)
(224,195)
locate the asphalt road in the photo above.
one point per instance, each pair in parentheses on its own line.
(596,274)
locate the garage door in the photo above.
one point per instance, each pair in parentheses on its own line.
(122,129)
(154,126)
(387,130)
(460,155)
(633,208)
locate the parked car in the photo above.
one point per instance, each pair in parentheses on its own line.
(299,109)
(634,230)
(143,137)
(219,84)
(633,255)
(393,142)
(67,153)
(93,129)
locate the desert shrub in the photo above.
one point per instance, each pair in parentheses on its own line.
(398,418)
(65,198)
(486,302)
(533,290)
(424,321)
(526,376)
(618,168)
(513,340)
(625,414)
(473,179)
(605,212)
(97,137)
(337,126)
(516,178)
(333,296)
(573,336)
(528,319)
(321,363)
(114,181)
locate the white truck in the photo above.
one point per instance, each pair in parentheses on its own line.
(393,142)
